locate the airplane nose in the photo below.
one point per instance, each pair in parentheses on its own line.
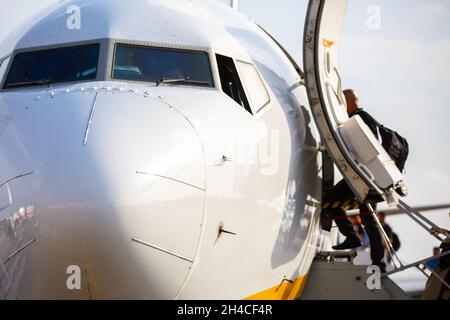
(116,181)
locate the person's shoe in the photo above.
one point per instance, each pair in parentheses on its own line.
(349,243)
(381,265)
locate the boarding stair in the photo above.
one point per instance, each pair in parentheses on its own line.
(334,276)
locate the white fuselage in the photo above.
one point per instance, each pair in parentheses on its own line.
(132,182)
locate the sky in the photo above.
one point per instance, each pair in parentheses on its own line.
(399,65)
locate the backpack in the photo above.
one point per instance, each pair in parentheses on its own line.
(395,145)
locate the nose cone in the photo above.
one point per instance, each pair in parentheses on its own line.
(116,182)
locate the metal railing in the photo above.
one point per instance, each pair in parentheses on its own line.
(434,230)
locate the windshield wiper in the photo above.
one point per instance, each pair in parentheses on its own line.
(46,82)
(182,80)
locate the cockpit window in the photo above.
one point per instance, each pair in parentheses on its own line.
(69,64)
(137,63)
(230,81)
(256,89)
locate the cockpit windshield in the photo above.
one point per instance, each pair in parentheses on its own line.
(159,65)
(45,67)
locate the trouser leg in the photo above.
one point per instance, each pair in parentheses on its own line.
(374,233)
(344,225)
(339,193)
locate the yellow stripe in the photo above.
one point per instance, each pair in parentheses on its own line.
(326,205)
(91,280)
(336,204)
(346,205)
(284,291)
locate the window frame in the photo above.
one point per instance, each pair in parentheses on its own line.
(2,60)
(148,45)
(100,62)
(241,84)
(255,110)
(106,58)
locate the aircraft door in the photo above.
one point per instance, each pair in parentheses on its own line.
(357,153)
